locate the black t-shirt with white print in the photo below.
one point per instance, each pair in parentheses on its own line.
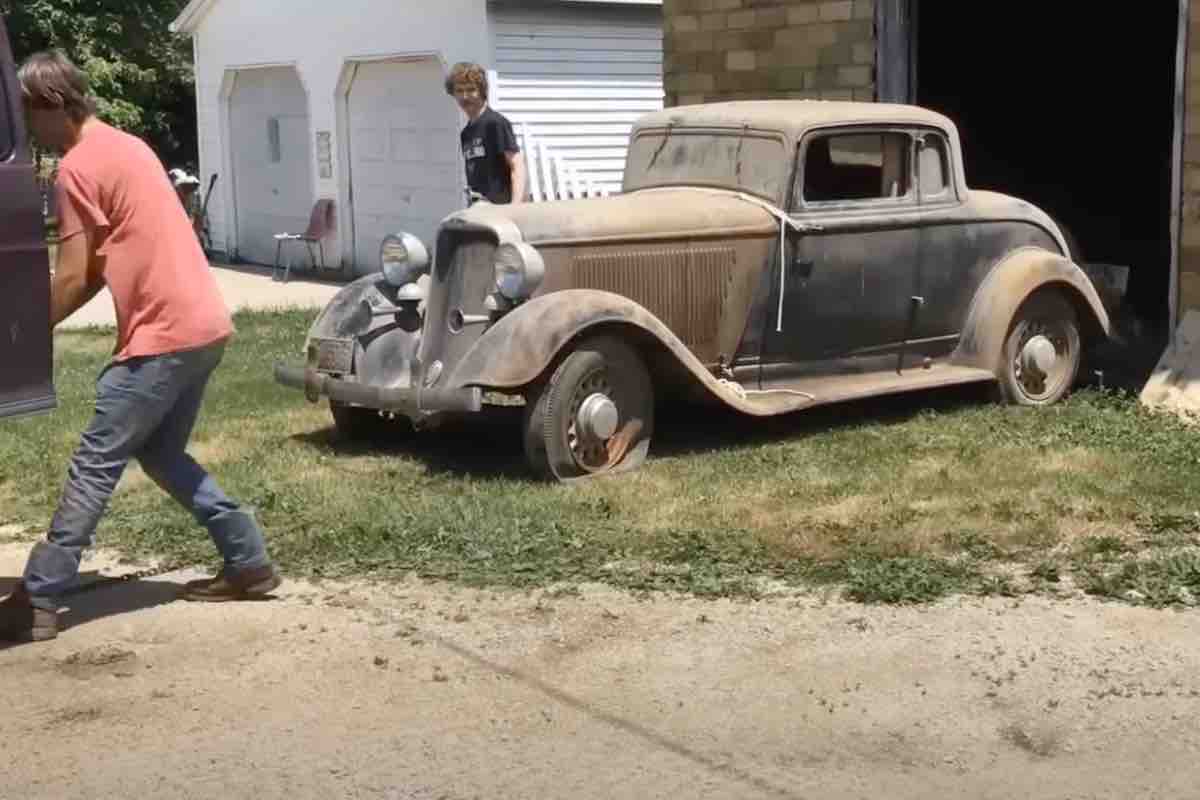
(485,140)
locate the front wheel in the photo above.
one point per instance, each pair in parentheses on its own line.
(595,413)
(1041,353)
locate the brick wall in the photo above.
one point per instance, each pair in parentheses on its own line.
(1189,255)
(754,49)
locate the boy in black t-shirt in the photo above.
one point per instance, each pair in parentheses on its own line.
(495,168)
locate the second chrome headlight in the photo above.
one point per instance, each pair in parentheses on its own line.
(403,258)
(519,270)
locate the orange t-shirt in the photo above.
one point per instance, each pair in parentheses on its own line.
(165,295)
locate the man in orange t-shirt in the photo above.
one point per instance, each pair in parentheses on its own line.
(122,227)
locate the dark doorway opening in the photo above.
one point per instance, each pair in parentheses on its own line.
(1071,109)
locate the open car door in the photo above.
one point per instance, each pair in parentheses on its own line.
(26,354)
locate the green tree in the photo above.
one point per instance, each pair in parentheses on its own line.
(140,72)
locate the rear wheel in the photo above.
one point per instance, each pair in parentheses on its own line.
(357,424)
(594,414)
(1041,353)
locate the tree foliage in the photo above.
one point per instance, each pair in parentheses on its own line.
(140,72)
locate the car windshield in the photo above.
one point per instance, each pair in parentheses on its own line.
(746,161)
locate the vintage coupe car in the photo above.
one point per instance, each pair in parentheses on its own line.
(768,255)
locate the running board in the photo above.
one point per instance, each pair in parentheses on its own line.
(838,388)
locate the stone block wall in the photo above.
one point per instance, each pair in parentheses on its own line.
(754,49)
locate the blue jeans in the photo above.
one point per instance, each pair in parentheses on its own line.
(145,409)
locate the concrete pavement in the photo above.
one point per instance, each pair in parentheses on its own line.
(243,286)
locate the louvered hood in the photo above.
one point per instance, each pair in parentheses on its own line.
(642,215)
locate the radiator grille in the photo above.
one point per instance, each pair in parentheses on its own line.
(684,287)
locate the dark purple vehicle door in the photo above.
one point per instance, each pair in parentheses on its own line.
(26,355)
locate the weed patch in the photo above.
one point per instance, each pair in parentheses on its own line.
(895,500)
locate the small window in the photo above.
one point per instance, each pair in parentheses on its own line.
(274,148)
(933,166)
(7,124)
(859,166)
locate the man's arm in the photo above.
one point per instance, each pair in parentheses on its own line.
(78,275)
(516,168)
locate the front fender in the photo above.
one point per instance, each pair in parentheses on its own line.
(1017,276)
(519,347)
(345,315)
(515,351)
(385,349)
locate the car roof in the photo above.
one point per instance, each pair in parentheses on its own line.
(793,117)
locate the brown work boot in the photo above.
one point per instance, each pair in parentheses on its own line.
(21,621)
(250,584)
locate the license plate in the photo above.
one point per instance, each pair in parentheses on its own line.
(333,355)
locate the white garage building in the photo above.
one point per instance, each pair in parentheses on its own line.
(299,100)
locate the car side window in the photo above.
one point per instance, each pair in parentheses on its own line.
(933,167)
(7,124)
(842,167)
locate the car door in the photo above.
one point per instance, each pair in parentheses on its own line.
(26,357)
(950,264)
(849,270)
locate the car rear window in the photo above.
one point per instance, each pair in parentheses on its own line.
(741,160)
(856,166)
(933,167)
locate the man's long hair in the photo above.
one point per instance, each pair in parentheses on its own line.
(50,80)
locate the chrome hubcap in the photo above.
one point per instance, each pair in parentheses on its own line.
(593,421)
(597,418)
(1043,360)
(1039,355)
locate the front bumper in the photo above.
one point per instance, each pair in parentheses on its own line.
(410,401)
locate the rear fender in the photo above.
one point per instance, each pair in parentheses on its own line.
(1018,275)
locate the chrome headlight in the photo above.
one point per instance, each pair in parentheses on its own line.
(403,258)
(519,270)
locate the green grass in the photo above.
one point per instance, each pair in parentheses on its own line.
(896,500)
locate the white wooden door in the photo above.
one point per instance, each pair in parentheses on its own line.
(406,169)
(272,158)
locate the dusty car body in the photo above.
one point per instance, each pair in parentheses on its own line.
(25,344)
(770,256)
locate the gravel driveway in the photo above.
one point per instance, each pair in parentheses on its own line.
(429,691)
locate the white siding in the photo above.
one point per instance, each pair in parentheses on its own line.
(319,39)
(610,55)
(577,41)
(577,77)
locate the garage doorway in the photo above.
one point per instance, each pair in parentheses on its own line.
(1072,109)
(271,158)
(405,163)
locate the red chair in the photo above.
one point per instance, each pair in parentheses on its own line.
(320,223)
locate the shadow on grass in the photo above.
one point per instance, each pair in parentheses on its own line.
(696,429)
(489,446)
